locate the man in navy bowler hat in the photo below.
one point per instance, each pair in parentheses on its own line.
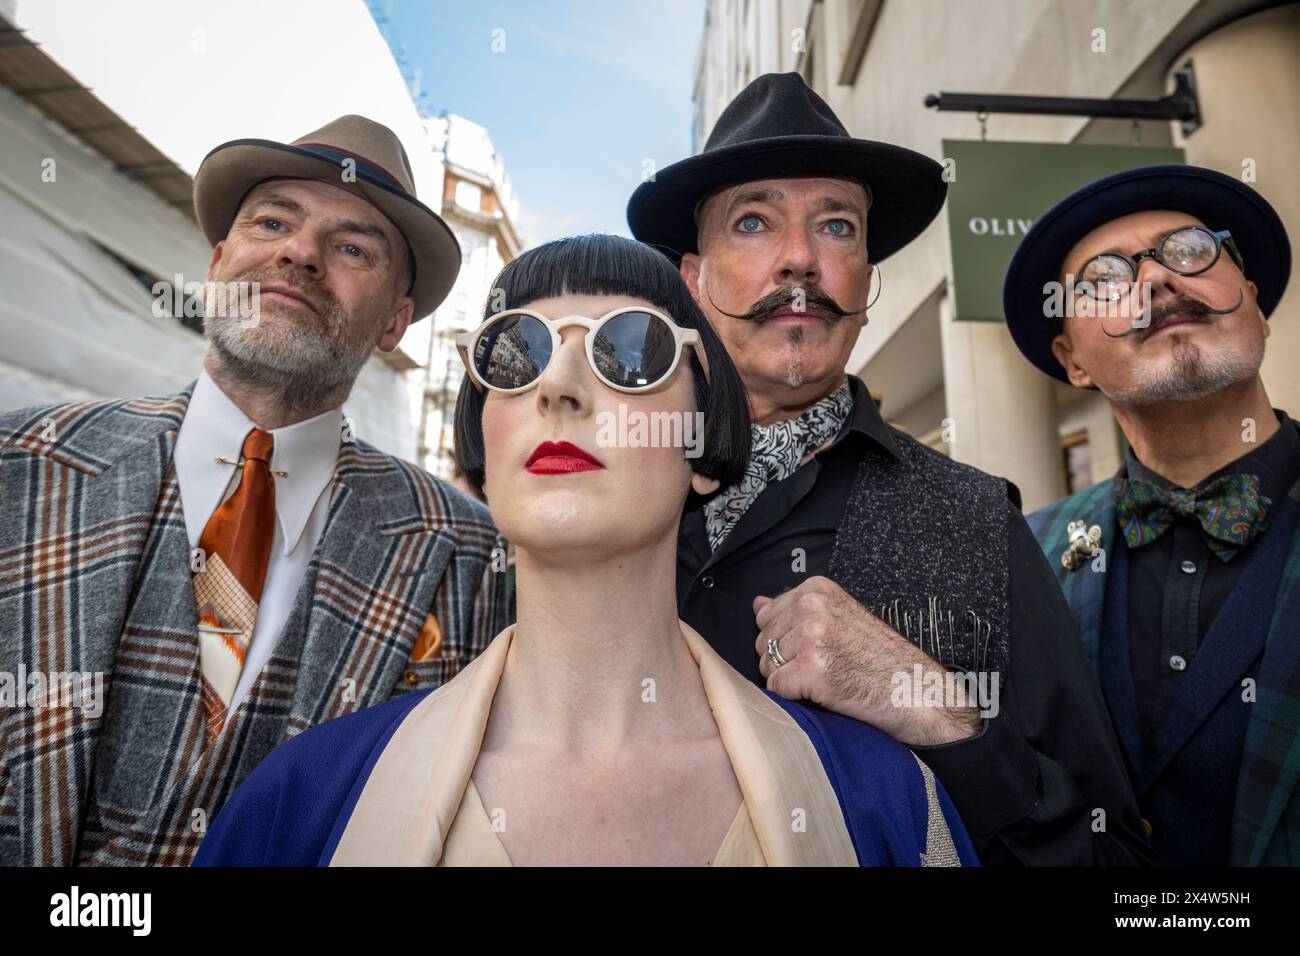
(1154,286)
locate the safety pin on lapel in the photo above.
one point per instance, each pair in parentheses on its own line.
(1084,544)
(223,460)
(977,626)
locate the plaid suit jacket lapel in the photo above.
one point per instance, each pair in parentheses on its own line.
(1084,588)
(157,782)
(1266,814)
(387,543)
(78,487)
(358,611)
(397,545)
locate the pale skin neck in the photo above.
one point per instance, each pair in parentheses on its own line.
(591,629)
(769,407)
(1186,442)
(265,409)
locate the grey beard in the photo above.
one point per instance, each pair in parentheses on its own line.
(308,376)
(1189,376)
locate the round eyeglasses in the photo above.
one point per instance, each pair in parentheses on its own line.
(632,349)
(1187,251)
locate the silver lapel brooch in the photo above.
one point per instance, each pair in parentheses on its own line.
(1085,543)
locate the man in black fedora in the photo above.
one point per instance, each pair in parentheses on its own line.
(853,566)
(1154,286)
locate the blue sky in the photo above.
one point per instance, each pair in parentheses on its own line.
(582,95)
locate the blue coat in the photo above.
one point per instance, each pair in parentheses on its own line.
(295,808)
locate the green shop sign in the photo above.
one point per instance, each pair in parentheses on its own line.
(998,190)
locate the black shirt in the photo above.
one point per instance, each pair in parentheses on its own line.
(1028,783)
(1176,584)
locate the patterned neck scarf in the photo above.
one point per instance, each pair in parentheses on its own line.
(774,456)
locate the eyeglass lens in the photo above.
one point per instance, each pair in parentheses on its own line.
(512,352)
(632,350)
(1186,251)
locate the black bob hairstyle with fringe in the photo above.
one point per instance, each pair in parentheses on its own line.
(601,264)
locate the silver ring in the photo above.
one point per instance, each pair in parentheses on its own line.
(774,652)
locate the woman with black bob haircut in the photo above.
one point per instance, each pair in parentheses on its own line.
(610,265)
(599,728)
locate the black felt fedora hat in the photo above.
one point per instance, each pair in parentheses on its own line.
(1219,201)
(777,128)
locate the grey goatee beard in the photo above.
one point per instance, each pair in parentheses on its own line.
(794,367)
(1190,375)
(308,368)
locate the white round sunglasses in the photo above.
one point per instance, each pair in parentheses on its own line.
(633,349)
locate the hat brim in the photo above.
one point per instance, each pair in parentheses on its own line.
(232,169)
(907,188)
(1219,201)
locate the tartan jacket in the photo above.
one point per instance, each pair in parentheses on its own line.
(95,578)
(1266,811)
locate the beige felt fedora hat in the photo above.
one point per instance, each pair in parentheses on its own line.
(380,173)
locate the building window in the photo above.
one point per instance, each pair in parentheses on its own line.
(1077,460)
(470,243)
(469,195)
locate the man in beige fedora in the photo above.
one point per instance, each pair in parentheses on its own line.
(233,560)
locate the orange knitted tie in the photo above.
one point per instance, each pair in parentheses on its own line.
(230,569)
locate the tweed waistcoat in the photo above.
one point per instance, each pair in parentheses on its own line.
(156,784)
(923,546)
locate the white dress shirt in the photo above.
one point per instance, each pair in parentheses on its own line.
(215,426)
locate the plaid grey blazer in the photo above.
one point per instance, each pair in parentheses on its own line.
(95,577)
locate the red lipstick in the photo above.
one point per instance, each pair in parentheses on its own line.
(560,458)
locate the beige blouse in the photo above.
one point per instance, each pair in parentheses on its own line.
(472,841)
(419,806)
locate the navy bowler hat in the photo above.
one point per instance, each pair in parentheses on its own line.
(776,128)
(1219,201)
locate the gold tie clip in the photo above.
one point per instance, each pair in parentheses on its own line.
(223,460)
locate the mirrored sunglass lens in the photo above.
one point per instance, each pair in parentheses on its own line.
(1188,250)
(1106,278)
(634,350)
(512,352)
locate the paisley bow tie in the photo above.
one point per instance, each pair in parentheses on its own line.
(1231,511)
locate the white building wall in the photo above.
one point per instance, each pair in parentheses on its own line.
(466,148)
(189,75)
(74,324)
